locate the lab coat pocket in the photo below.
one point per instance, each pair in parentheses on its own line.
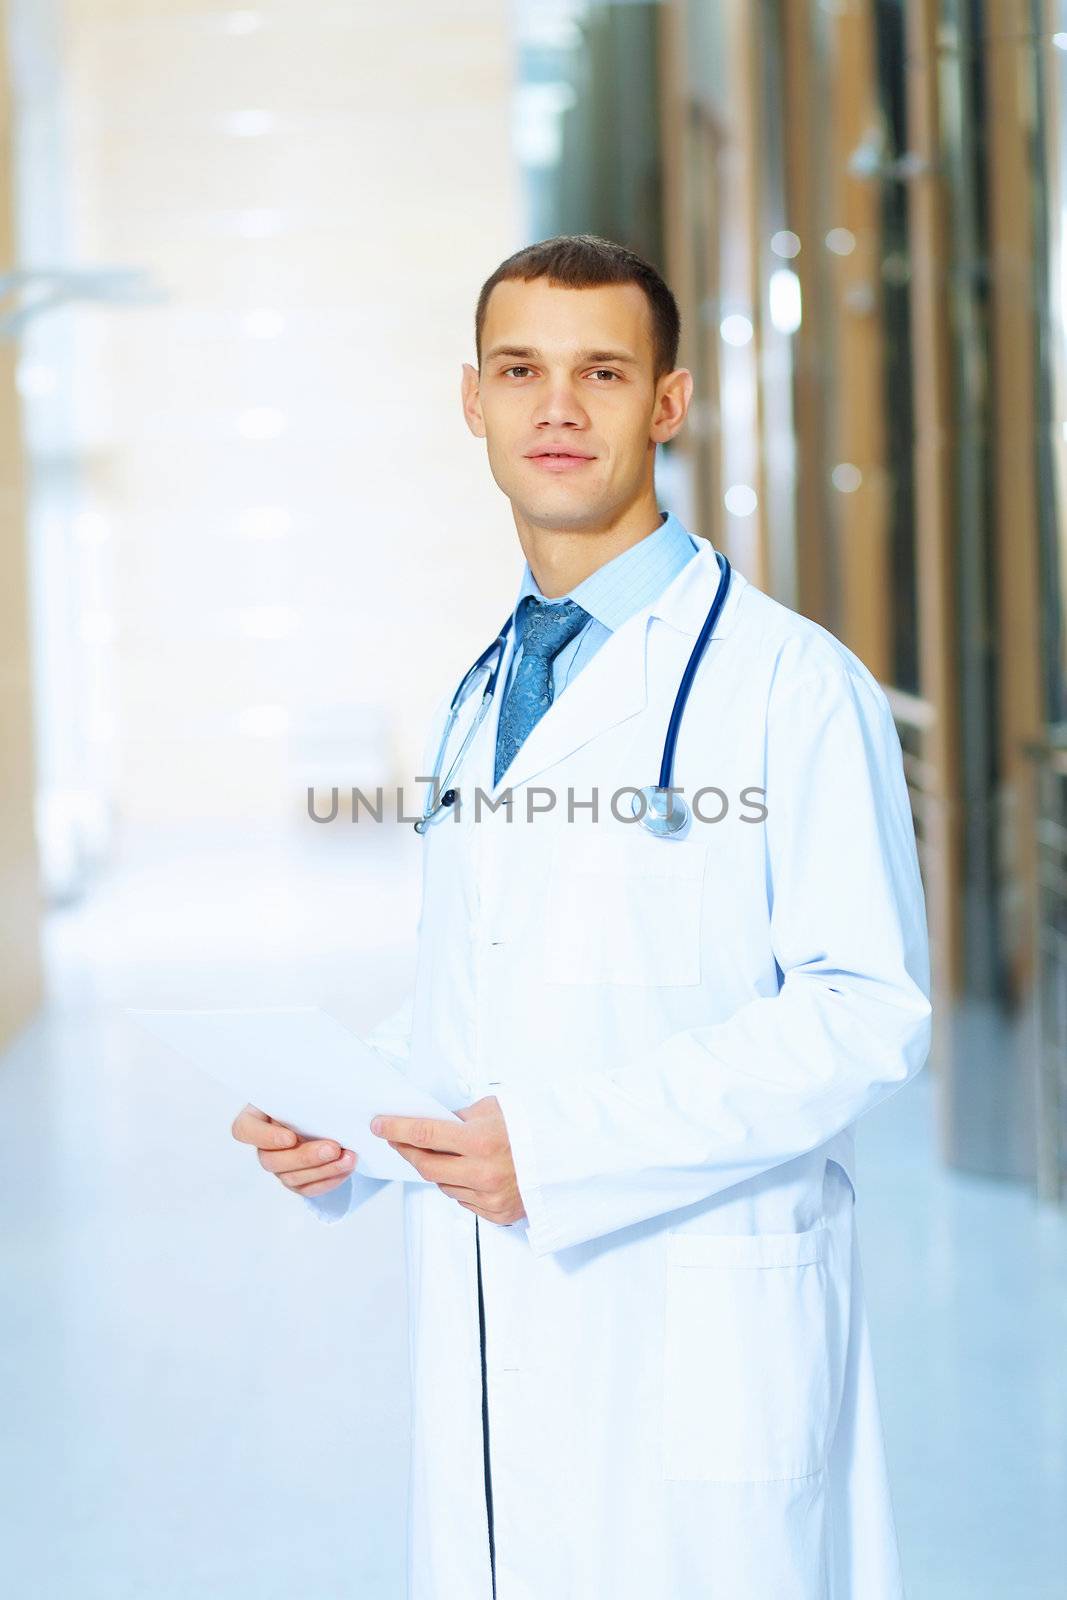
(623,907)
(746,1363)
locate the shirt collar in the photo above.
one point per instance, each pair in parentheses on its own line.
(630,580)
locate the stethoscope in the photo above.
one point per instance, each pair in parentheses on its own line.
(662,814)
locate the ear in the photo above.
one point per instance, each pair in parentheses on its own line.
(471,401)
(675,391)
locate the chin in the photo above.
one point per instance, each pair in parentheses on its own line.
(572,516)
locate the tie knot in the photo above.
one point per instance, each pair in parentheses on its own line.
(550,624)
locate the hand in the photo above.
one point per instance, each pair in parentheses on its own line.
(314,1166)
(471,1161)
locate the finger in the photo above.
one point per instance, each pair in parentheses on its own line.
(478,1108)
(312,1153)
(300,1179)
(253,1126)
(434,1165)
(479,1211)
(319,1188)
(428,1133)
(477,1200)
(468,1197)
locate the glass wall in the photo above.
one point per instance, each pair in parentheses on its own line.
(588,130)
(860,206)
(1049,749)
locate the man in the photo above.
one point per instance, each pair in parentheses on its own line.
(640,1361)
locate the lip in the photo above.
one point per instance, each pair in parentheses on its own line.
(563,462)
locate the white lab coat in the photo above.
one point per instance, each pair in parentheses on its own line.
(681,1035)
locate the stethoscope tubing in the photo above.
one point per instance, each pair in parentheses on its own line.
(666,766)
(670,741)
(490,688)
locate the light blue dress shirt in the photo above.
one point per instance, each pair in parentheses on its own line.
(611,594)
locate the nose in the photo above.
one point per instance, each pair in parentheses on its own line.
(558,405)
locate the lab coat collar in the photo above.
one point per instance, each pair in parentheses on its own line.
(685,602)
(613,685)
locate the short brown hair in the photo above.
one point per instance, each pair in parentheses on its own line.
(584,261)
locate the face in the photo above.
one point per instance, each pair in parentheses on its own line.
(567,403)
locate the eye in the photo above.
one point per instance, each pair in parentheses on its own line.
(607,371)
(515,369)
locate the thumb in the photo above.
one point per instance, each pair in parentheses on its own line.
(283,1136)
(478,1108)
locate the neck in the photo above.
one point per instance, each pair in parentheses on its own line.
(561,557)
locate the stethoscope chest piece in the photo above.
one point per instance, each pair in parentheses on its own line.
(662,814)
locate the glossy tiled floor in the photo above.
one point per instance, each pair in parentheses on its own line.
(204,1389)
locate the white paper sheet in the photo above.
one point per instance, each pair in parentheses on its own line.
(301,1066)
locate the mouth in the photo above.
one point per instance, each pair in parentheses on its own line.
(558,460)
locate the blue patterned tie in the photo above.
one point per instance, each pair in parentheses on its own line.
(547,627)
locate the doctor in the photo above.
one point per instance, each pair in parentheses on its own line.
(640,1358)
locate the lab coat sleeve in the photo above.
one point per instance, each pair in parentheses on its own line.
(392,1036)
(713,1105)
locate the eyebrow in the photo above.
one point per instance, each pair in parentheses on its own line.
(527,353)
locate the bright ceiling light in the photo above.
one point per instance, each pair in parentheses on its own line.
(261,422)
(249,124)
(264,522)
(736,330)
(783,297)
(262,324)
(740,500)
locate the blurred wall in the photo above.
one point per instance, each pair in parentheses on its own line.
(305,542)
(20,977)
